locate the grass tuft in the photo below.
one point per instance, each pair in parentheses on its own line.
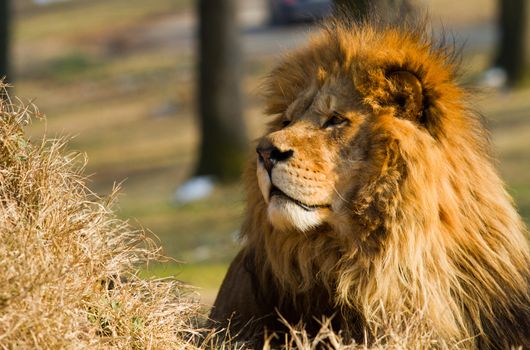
(67,263)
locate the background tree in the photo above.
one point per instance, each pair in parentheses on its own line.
(223,138)
(5,16)
(514,40)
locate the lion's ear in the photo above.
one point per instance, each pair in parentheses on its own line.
(407,94)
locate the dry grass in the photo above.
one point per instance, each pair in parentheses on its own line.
(394,333)
(67,264)
(397,332)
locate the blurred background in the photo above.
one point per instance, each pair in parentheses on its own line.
(163,96)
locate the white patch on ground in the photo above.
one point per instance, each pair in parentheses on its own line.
(194,189)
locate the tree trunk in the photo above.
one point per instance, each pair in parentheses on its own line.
(223,138)
(514,40)
(389,10)
(5,16)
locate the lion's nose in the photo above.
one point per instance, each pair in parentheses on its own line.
(270,155)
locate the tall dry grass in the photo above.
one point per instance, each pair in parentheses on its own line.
(396,332)
(67,263)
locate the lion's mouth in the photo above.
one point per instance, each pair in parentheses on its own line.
(275,191)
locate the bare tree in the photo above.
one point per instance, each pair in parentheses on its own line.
(5,17)
(223,138)
(514,44)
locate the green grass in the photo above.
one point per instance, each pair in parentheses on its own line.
(206,275)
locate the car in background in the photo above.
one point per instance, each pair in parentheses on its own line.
(289,11)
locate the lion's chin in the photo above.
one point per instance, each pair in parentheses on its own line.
(284,214)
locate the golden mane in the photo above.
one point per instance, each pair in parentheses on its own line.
(430,229)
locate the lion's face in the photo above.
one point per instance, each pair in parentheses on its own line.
(310,155)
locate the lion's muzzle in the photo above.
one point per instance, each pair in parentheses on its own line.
(270,155)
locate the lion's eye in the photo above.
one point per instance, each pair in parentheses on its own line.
(285,123)
(334,120)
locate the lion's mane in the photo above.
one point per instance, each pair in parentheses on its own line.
(430,230)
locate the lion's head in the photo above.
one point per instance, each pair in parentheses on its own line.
(374,182)
(324,145)
(347,110)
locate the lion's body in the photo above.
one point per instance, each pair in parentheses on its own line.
(393,211)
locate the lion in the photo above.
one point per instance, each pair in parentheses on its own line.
(373,196)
